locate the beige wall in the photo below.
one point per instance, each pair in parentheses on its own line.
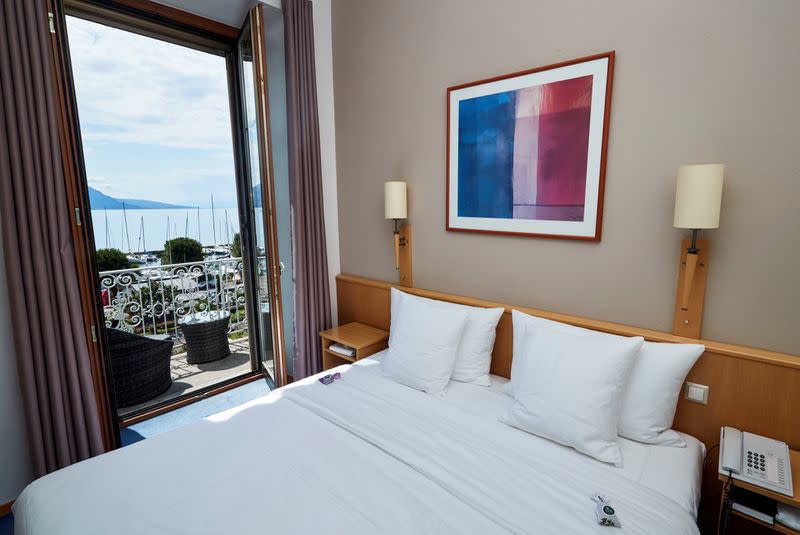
(695,82)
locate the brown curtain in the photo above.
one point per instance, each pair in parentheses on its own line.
(312,297)
(53,360)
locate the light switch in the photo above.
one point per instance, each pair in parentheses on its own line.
(697,393)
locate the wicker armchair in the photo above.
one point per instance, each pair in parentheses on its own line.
(140,365)
(206,336)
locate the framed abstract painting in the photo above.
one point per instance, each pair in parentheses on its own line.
(526,152)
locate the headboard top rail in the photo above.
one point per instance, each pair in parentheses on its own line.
(721,348)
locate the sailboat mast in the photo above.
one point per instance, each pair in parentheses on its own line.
(186,228)
(139,239)
(213,221)
(144,243)
(108,238)
(125,219)
(168,244)
(227,229)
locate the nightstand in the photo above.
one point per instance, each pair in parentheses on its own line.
(365,340)
(742,486)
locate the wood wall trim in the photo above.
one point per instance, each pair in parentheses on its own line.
(721,348)
(752,389)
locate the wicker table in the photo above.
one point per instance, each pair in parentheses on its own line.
(206,336)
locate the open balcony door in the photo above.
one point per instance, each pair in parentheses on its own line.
(261,223)
(255,159)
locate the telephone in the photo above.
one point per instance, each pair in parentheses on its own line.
(755,459)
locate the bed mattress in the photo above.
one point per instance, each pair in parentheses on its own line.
(363,455)
(674,472)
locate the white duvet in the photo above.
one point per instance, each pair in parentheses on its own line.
(362,455)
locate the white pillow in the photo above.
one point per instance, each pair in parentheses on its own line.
(651,396)
(523,324)
(648,406)
(569,390)
(474,355)
(423,342)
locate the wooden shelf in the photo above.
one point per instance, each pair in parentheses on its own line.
(794,501)
(365,340)
(338,355)
(780,528)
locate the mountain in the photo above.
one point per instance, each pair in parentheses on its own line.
(100,201)
(140,204)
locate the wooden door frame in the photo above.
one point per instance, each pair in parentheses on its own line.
(71,145)
(152,16)
(258,37)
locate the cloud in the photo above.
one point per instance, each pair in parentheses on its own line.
(154,116)
(135,89)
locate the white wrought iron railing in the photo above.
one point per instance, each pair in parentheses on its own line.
(152,299)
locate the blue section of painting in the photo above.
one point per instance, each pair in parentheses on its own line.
(486,155)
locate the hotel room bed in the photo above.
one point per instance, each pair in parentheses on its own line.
(363,455)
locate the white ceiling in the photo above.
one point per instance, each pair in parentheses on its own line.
(230,12)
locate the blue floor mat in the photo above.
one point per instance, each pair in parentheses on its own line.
(7,524)
(192,413)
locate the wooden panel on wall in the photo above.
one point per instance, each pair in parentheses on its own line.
(753,389)
(689,322)
(759,397)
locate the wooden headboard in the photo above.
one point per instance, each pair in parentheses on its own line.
(752,389)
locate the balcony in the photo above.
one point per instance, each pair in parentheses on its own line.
(153,300)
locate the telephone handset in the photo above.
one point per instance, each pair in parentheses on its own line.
(755,459)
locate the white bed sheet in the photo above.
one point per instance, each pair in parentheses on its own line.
(674,472)
(277,464)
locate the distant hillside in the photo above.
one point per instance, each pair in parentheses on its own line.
(101,201)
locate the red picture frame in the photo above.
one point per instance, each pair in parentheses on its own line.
(601,177)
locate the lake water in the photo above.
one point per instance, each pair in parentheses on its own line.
(160,225)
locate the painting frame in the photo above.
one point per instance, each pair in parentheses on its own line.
(589,228)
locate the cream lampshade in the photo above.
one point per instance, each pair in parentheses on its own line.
(395,206)
(698,196)
(394,200)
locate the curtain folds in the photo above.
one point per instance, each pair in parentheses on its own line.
(312,294)
(50,343)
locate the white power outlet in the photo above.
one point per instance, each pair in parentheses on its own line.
(697,393)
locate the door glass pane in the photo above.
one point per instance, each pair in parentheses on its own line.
(158,149)
(279,147)
(257,215)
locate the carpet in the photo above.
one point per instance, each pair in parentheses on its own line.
(192,413)
(7,524)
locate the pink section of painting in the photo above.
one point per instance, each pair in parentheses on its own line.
(526,144)
(551,140)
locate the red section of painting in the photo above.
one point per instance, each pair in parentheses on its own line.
(563,142)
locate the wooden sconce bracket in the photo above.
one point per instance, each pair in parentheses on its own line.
(403,257)
(691,290)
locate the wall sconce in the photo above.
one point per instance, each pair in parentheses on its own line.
(698,197)
(395,201)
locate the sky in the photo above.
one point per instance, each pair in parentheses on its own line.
(154,117)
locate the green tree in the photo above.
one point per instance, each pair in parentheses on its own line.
(180,250)
(111,259)
(236,246)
